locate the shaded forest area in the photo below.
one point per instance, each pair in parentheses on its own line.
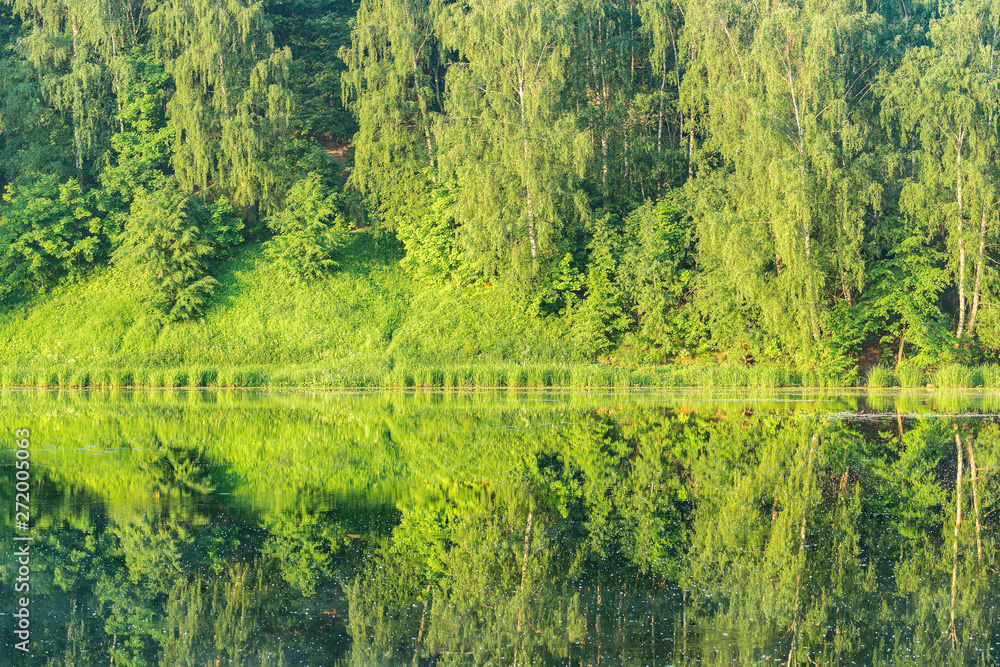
(794,182)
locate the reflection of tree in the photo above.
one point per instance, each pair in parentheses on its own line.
(567,533)
(793,560)
(510,570)
(948,581)
(774,552)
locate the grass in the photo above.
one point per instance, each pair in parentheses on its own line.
(880,377)
(484,375)
(910,375)
(367,325)
(957,376)
(467,376)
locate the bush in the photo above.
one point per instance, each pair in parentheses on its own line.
(47,232)
(308,230)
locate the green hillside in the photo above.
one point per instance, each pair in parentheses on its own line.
(496,192)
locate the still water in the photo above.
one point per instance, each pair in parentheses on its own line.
(284,528)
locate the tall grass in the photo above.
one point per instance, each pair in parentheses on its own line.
(485,375)
(880,377)
(990,374)
(957,376)
(910,375)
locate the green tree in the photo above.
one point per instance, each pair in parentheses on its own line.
(780,222)
(945,98)
(393,85)
(48,231)
(510,143)
(164,246)
(230,108)
(308,229)
(139,152)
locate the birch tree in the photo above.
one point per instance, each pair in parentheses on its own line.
(781,222)
(231,107)
(944,97)
(509,142)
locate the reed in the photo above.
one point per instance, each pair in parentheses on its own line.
(880,377)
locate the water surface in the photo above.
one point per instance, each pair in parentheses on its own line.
(292,528)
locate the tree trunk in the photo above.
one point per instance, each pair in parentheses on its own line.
(423,113)
(529,204)
(524,576)
(979,275)
(663,87)
(961,239)
(954,551)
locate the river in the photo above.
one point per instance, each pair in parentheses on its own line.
(548,528)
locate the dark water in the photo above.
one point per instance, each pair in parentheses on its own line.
(262,528)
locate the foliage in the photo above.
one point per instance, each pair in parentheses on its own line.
(308,229)
(426,228)
(48,231)
(781,183)
(165,247)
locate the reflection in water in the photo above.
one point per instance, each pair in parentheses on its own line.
(254,528)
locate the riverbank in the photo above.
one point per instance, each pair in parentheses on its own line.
(373,375)
(368,325)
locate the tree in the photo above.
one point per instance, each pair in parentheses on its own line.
(944,96)
(230,108)
(393,84)
(510,142)
(308,229)
(164,246)
(70,45)
(781,221)
(48,231)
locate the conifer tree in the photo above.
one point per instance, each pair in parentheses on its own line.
(307,230)
(165,247)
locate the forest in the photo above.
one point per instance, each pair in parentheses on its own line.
(647,181)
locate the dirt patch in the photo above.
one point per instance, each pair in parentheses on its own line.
(871,353)
(337,149)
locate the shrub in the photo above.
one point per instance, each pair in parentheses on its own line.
(308,230)
(47,232)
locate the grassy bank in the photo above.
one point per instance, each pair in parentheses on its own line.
(368,325)
(483,375)
(352,328)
